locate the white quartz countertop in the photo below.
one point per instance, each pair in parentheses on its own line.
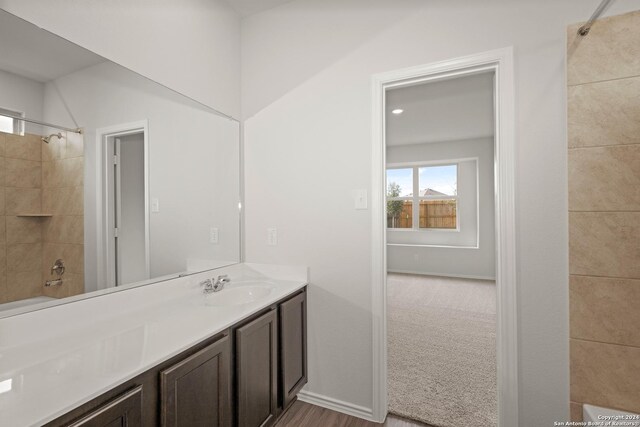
(54,360)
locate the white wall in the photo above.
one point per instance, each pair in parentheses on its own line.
(471,250)
(23,95)
(193,165)
(306,91)
(192,46)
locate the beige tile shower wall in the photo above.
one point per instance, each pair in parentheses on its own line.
(20,236)
(62,197)
(603,73)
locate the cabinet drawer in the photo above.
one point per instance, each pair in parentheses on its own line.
(123,411)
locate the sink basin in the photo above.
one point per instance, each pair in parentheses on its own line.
(238,296)
(257,282)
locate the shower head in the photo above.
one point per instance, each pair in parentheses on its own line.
(47,138)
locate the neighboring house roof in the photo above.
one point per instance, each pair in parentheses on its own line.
(431,192)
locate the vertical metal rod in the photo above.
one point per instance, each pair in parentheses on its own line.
(584,30)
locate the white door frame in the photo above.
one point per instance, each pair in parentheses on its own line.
(501,63)
(102,206)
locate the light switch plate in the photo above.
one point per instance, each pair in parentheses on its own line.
(360,199)
(272,236)
(155,205)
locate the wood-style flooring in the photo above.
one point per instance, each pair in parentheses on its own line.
(302,414)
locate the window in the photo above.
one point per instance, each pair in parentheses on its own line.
(9,124)
(399,198)
(428,193)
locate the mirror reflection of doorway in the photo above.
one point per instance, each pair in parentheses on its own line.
(127,214)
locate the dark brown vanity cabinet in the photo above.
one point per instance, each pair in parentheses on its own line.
(245,376)
(257,371)
(293,347)
(197,390)
(271,362)
(191,389)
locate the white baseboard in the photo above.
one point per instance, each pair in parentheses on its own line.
(426,273)
(336,405)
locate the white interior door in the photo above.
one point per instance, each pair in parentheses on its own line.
(131,239)
(126,212)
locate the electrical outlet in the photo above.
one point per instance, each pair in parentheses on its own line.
(213,235)
(272,236)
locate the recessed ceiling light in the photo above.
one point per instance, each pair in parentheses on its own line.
(397,111)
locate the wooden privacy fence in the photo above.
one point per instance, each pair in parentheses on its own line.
(433,214)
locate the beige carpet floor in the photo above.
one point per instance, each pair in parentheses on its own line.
(442,350)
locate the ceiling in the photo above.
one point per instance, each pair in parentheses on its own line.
(38,54)
(450,110)
(249,7)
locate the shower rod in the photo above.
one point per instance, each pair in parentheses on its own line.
(38,122)
(584,30)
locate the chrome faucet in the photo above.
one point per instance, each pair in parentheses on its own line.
(211,285)
(221,281)
(58,268)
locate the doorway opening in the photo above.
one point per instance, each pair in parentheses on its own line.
(435,206)
(125,204)
(440,241)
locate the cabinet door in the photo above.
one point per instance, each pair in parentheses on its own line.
(257,371)
(293,347)
(196,391)
(123,411)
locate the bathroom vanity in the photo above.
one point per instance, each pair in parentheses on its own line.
(172,356)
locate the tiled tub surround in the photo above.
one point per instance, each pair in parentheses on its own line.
(63,198)
(36,179)
(21,186)
(99,343)
(603,72)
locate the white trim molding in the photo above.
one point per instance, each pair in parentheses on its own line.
(336,405)
(500,62)
(454,276)
(102,216)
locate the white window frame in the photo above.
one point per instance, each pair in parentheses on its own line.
(416,198)
(18,125)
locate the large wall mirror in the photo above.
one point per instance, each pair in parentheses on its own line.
(107,179)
